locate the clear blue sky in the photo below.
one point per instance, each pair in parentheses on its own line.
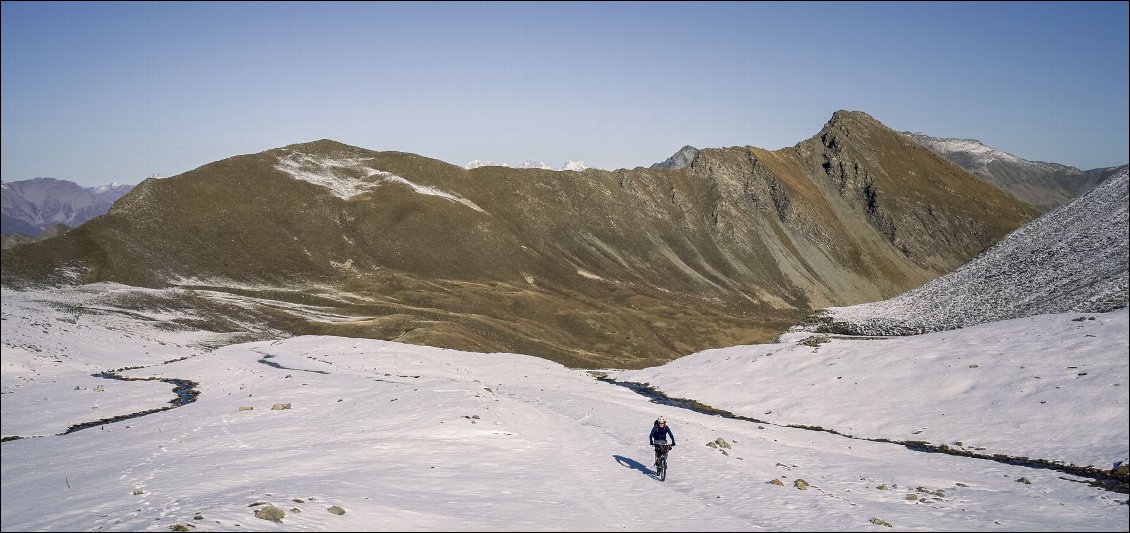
(97,92)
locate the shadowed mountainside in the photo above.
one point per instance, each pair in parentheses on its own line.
(622,268)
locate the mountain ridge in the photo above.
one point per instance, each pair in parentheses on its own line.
(589,268)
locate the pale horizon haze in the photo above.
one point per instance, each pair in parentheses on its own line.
(100,92)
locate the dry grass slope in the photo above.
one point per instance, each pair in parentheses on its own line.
(625,268)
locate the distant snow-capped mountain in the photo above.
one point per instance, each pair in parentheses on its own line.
(529,163)
(1073,259)
(29,207)
(1044,186)
(476,163)
(976,156)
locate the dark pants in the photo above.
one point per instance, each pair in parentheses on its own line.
(661,450)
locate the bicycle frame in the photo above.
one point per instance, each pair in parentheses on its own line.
(661,451)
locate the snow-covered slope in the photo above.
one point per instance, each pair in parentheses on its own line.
(1073,259)
(1051,386)
(403,437)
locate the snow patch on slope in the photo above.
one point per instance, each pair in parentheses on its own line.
(349,177)
(974,152)
(432,191)
(345,178)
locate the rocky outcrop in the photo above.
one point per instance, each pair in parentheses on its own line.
(680,159)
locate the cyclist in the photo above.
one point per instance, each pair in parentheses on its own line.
(659,435)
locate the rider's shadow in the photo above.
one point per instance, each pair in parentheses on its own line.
(633,464)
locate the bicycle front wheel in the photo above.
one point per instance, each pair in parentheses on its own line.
(661,471)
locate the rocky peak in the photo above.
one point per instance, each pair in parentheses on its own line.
(680,159)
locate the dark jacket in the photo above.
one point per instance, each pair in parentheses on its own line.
(660,435)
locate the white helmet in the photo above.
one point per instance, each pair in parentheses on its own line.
(661,420)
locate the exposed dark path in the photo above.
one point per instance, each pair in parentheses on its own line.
(1104,479)
(184,390)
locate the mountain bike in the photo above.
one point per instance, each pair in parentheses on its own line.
(661,451)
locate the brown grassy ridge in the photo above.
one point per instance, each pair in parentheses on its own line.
(624,268)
